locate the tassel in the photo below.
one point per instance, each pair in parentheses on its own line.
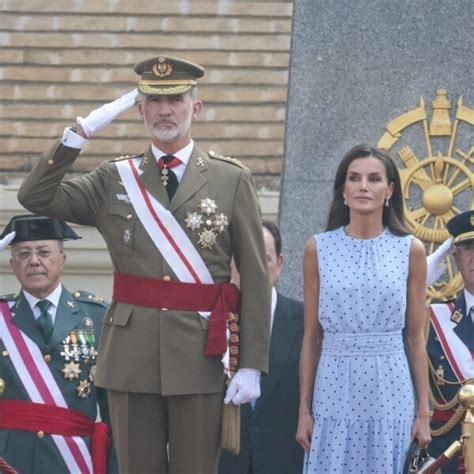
(230,436)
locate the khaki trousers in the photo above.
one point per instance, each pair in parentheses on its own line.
(178,434)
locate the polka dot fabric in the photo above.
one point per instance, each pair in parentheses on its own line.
(363,403)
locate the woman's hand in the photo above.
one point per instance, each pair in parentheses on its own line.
(421,430)
(305,430)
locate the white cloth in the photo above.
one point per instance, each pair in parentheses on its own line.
(53,298)
(5,242)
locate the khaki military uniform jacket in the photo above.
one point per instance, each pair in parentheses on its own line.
(151,350)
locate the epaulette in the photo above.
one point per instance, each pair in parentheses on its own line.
(87,297)
(9,297)
(127,157)
(228,159)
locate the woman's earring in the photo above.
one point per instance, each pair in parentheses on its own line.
(345,202)
(387,202)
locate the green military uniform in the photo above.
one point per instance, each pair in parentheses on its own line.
(162,387)
(78,317)
(151,350)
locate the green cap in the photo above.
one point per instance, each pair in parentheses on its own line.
(165,75)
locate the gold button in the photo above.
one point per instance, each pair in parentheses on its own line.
(47,358)
(40,434)
(164,309)
(129,216)
(441,357)
(208,222)
(5,353)
(50,162)
(167,278)
(77,294)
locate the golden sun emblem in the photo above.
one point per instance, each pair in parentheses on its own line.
(436,173)
(162,68)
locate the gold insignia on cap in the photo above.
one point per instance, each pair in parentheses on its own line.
(162,69)
(456,316)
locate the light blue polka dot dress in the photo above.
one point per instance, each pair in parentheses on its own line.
(363,402)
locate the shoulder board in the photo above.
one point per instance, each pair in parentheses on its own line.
(127,157)
(228,159)
(86,297)
(9,297)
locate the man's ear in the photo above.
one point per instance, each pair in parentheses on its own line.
(197,107)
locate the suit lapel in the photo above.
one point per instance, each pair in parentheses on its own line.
(150,178)
(281,344)
(464,329)
(193,179)
(68,317)
(23,318)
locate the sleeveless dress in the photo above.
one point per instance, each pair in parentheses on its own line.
(363,402)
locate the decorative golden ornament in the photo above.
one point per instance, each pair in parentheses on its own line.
(71,371)
(436,173)
(162,68)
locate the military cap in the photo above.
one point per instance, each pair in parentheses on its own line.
(461,227)
(31,227)
(165,75)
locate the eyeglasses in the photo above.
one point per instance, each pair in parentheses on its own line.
(26,254)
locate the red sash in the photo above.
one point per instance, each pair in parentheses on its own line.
(29,416)
(220,299)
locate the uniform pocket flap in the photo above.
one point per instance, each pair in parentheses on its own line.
(119,314)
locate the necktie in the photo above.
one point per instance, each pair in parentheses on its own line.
(167,175)
(45,321)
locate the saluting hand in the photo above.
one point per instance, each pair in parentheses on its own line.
(102,116)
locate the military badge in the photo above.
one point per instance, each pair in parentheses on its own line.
(71,371)
(208,206)
(210,226)
(193,220)
(200,162)
(127,237)
(87,323)
(456,316)
(162,68)
(83,389)
(207,239)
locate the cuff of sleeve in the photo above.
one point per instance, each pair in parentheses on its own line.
(72,139)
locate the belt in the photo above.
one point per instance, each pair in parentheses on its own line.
(29,416)
(220,299)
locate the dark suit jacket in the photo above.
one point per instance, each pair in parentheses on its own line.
(464,330)
(24,450)
(267,437)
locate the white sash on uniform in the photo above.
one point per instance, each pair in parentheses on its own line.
(41,386)
(457,353)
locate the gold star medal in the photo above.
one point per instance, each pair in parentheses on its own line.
(71,371)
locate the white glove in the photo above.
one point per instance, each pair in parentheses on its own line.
(5,242)
(243,387)
(435,266)
(102,116)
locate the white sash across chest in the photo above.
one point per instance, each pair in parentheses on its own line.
(457,353)
(41,387)
(166,233)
